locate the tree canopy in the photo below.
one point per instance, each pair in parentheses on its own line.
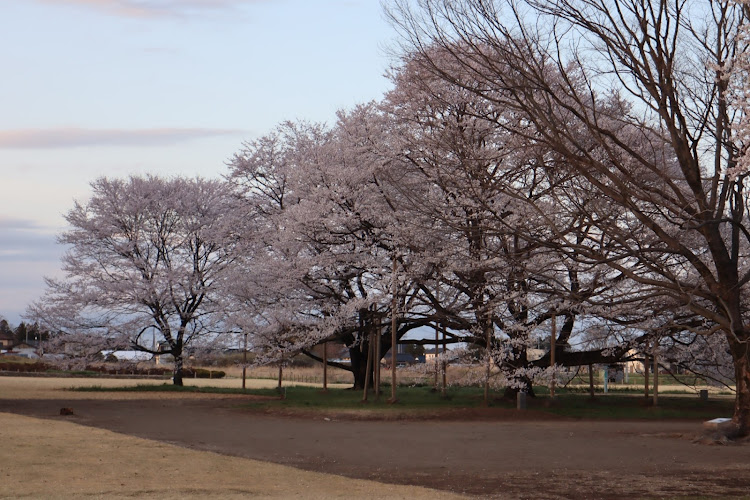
(565,167)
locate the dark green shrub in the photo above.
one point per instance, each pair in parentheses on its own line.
(202,373)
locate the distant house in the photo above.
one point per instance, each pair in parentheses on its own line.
(431,354)
(6,340)
(337,352)
(402,359)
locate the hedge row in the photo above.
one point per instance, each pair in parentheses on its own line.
(40,367)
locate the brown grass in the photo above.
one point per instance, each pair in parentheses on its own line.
(58,459)
(314,375)
(56,388)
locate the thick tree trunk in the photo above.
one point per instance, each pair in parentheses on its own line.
(521,383)
(359,366)
(177,375)
(741,355)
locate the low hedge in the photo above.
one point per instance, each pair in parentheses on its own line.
(202,373)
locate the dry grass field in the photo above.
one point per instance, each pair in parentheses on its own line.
(56,459)
(43,458)
(56,388)
(191,445)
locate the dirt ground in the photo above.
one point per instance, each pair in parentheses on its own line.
(482,453)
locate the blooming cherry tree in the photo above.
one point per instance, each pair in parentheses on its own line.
(145,256)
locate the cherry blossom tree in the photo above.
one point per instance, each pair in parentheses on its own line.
(478,191)
(310,257)
(327,237)
(625,72)
(145,259)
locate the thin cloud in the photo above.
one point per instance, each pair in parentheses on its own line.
(26,241)
(80,137)
(155,8)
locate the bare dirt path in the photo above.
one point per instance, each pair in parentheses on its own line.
(499,454)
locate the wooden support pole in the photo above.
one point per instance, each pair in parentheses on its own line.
(656,372)
(325,366)
(244,363)
(394,338)
(368,370)
(437,367)
(591,381)
(552,349)
(647,368)
(444,366)
(488,351)
(378,347)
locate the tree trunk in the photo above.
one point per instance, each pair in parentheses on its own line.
(525,383)
(359,366)
(177,376)
(741,357)
(511,392)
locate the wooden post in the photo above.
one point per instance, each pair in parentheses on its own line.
(325,366)
(656,372)
(591,381)
(394,339)
(488,351)
(437,367)
(369,367)
(444,366)
(552,349)
(646,364)
(378,347)
(244,363)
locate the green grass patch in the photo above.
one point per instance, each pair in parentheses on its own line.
(623,407)
(408,398)
(75,373)
(425,399)
(573,405)
(164,388)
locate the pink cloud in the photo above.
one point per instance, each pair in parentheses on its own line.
(80,137)
(154,8)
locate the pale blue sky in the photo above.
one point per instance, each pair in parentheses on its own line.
(117,87)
